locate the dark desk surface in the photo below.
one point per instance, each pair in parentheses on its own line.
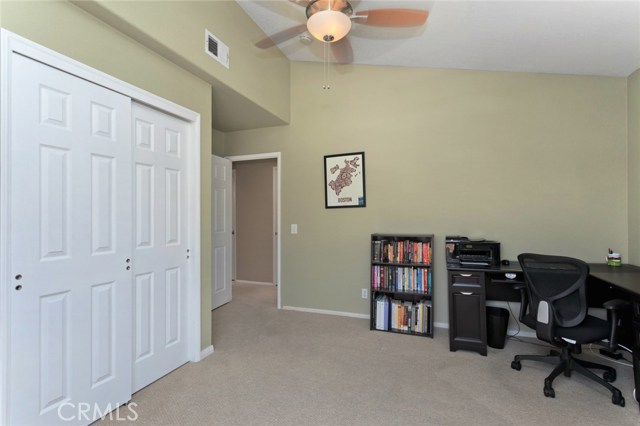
(625,277)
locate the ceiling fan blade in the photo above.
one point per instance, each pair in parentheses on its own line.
(302,3)
(393,17)
(342,51)
(283,35)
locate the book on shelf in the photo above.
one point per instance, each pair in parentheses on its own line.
(382,312)
(403,251)
(401,278)
(410,317)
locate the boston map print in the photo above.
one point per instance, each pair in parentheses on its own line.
(344,180)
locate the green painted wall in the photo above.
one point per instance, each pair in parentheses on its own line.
(253,92)
(633,123)
(69,30)
(537,162)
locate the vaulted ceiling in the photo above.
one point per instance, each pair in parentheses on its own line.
(586,37)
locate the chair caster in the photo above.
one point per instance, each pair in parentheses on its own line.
(548,390)
(617,398)
(516,365)
(609,376)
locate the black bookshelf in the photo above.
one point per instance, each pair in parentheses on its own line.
(402,284)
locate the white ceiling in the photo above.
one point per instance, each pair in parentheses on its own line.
(588,37)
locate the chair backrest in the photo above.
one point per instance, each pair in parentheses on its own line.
(561,282)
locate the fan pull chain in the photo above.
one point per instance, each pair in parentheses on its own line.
(325,69)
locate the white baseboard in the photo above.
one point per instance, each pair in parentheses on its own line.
(253,282)
(326,312)
(206,352)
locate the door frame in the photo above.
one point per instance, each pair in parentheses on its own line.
(278,252)
(11,44)
(234,268)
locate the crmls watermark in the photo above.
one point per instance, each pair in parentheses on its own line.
(69,411)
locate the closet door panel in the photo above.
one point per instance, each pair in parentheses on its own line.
(70,236)
(160,249)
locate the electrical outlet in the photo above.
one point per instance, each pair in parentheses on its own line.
(365,293)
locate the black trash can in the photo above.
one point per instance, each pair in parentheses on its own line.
(497,322)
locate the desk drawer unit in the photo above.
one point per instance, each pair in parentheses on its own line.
(467,320)
(636,347)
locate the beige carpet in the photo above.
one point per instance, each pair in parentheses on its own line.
(275,367)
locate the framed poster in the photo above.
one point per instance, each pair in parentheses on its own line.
(344,180)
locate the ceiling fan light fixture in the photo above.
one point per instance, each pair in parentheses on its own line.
(329,25)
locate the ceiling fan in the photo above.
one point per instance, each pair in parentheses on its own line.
(330,22)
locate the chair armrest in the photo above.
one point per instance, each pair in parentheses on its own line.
(616,304)
(613,307)
(545,322)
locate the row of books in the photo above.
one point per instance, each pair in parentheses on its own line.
(399,278)
(403,316)
(406,251)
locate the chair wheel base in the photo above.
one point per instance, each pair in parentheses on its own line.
(549,392)
(617,399)
(516,365)
(609,376)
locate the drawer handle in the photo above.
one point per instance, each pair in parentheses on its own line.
(465,275)
(466,293)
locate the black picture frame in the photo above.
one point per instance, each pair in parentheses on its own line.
(344,180)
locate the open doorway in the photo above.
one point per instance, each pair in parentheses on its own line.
(256,220)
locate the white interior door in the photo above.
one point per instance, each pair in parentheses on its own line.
(234,244)
(221,232)
(160,244)
(275,225)
(70,236)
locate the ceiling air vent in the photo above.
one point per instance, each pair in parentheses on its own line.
(217,49)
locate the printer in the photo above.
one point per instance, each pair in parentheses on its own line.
(461,252)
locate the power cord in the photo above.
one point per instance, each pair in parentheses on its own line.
(627,363)
(515,337)
(517,323)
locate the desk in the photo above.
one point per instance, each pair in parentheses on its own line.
(470,288)
(606,283)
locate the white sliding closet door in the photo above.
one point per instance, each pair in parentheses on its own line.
(70,238)
(160,244)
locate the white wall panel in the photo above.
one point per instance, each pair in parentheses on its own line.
(172,142)
(219,207)
(219,270)
(103,335)
(145,189)
(53,350)
(102,204)
(172,206)
(103,121)
(55,107)
(144,134)
(172,303)
(144,324)
(55,223)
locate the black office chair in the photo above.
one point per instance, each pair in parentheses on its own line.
(554,303)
